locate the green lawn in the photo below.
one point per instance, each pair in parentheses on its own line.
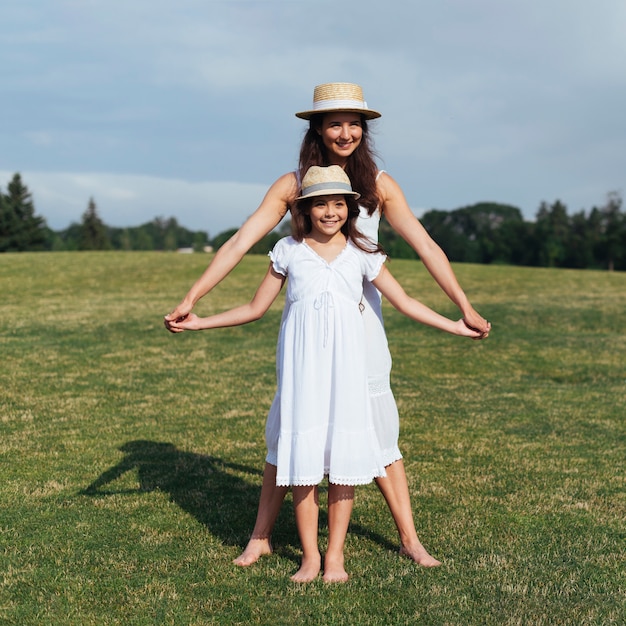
(130,458)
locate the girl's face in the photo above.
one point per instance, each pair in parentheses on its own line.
(341,134)
(328,214)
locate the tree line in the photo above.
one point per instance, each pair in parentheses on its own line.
(483,233)
(490,233)
(22,230)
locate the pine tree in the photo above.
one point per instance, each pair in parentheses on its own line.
(613,232)
(20,228)
(93,232)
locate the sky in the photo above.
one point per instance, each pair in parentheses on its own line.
(185,108)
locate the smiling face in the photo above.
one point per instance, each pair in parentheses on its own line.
(328,215)
(341,134)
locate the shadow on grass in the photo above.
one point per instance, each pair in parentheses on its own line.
(210,490)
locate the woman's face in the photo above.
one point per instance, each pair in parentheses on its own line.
(341,133)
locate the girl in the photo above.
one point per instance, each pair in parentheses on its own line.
(338,134)
(325,417)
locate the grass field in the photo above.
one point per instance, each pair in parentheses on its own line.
(130,458)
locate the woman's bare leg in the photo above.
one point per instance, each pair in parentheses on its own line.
(306,507)
(395,490)
(340,502)
(269,506)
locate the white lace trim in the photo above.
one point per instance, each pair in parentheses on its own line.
(335,480)
(394,455)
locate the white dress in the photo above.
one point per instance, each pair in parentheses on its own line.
(384,408)
(378,364)
(326,425)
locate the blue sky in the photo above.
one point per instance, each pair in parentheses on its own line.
(186,108)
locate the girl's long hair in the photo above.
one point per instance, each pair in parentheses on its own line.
(361,167)
(301,224)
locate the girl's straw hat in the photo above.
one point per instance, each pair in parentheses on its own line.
(339,97)
(326,181)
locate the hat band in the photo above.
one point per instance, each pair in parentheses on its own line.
(322,105)
(325,186)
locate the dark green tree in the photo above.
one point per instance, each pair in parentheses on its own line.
(485,232)
(93,233)
(200,241)
(6,224)
(20,228)
(610,247)
(144,240)
(551,234)
(582,235)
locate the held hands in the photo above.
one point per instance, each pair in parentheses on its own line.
(184,322)
(476,322)
(462,329)
(478,334)
(179,314)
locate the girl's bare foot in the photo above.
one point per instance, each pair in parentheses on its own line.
(309,569)
(334,571)
(255,549)
(419,554)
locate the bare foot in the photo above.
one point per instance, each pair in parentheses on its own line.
(309,569)
(334,571)
(419,554)
(255,549)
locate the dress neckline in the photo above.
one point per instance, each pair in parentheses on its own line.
(321,258)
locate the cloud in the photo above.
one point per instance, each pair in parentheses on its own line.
(488,100)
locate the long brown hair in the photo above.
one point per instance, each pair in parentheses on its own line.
(361,167)
(301,224)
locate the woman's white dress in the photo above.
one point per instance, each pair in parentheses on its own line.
(384,408)
(326,423)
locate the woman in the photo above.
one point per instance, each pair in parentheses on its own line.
(338,135)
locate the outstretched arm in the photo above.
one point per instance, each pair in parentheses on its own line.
(266,294)
(393,291)
(267,216)
(402,220)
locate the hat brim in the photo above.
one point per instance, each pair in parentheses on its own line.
(329,192)
(368,114)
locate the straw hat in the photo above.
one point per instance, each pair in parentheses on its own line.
(326,181)
(339,97)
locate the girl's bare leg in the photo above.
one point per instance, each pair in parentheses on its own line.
(269,506)
(340,501)
(395,490)
(306,507)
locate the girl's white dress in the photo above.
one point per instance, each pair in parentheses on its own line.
(378,365)
(324,411)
